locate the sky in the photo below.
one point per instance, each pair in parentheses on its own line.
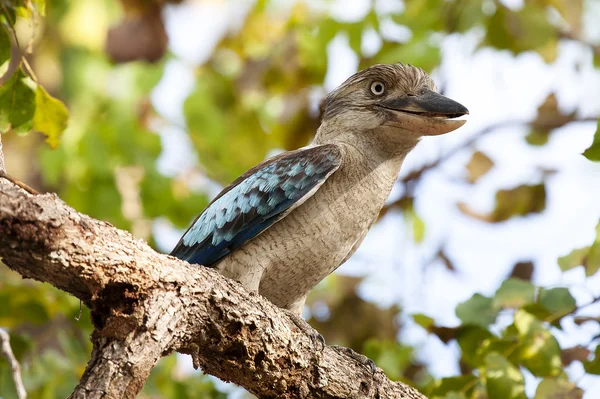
(496,87)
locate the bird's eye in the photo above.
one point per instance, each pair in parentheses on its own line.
(377,88)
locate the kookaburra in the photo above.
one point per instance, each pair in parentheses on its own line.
(287,223)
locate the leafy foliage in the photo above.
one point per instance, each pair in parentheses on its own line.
(24,104)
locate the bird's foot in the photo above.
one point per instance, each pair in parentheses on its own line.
(359,358)
(317,339)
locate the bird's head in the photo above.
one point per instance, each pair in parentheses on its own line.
(398,100)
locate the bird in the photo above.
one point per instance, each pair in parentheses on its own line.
(290,221)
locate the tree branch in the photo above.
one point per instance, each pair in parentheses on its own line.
(145,305)
(7,352)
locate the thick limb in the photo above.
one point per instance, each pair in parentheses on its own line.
(316,337)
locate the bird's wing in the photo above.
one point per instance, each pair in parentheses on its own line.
(255,201)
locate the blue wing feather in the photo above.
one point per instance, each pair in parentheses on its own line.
(255,201)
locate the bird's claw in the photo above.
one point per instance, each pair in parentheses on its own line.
(359,358)
(316,337)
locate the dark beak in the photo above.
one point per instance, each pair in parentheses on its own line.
(434,113)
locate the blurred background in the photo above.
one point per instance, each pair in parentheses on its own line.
(480,278)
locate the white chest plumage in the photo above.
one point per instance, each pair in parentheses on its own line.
(293,255)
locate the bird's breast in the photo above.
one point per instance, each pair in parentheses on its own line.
(315,238)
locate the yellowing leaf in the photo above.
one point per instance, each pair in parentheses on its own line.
(478,166)
(588,257)
(539,350)
(518,201)
(503,380)
(51,116)
(514,293)
(418,226)
(551,388)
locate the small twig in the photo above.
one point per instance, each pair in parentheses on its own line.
(7,352)
(19,183)
(80,311)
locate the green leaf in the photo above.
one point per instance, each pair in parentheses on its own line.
(514,293)
(575,258)
(4,46)
(538,350)
(478,310)
(593,152)
(445,334)
(522,30)
(17,104)
(519,201)
(551,305)
(588,257)
(418,226)
(51,116)
(557,301)
(537,137)
(503,380)
(557,388)
(423,320)
(593,366)
(471,339)
(478,166)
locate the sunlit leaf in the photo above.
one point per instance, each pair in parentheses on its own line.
(51,116)
(514,293)
(588,257)
(539,351)
(551,388)
(503,380)
(417,224)
(576,257)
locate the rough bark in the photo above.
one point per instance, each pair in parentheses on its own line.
(145,305)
